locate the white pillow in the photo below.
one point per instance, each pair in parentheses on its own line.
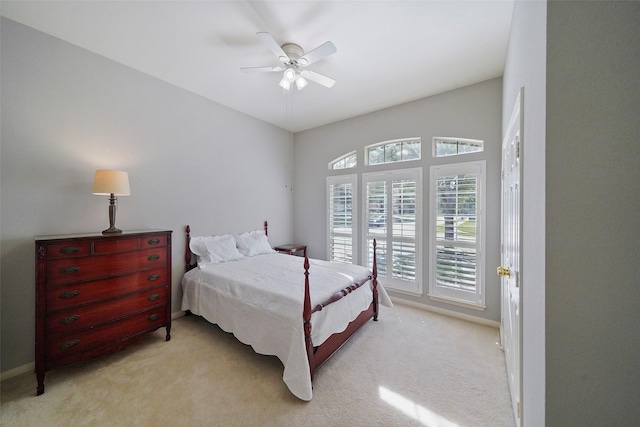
(253,243)
(198,246)
(214,250)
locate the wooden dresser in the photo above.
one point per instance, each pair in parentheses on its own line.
(96,294)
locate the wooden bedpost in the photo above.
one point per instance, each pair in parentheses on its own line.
(306,318)
(266,229)
(375,282)
(187,252)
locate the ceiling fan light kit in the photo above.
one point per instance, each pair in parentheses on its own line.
(289,74)
(285,84)
(294,58)
(301,82)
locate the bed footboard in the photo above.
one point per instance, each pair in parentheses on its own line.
(318,355)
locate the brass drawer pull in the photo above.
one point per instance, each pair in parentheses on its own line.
(153,297)
(69,294)
(153,257)
(69,344)
(153,277)
(153,317)
(70,319)
(70,270)
(68,250)
(153,241)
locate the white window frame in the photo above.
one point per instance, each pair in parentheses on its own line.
(400,285)
(473,142)
(337,180)
(467,298)
(334,162)
(391,142)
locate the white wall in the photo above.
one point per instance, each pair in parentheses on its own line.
(592,213)
(67,112)
(525,67)
(469,112)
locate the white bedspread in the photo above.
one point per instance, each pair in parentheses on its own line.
(260,299)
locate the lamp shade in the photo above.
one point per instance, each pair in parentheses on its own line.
(111,182)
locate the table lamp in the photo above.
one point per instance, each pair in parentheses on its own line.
(111,183)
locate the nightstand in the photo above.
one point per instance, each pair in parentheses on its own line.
(291,249)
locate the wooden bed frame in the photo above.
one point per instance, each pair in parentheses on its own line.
(317,355)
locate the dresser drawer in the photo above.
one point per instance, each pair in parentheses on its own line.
(153,241)
(84,316)
(108,246)
(77,269)
(68,249)
(73,294)
(104,348)
(80,341)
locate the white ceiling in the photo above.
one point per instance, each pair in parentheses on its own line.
(388,52)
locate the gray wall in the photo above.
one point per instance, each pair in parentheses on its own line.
(578,63)
(67,112)
(469,112)
(525,67)
(592,213)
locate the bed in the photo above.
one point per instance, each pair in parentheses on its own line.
(299,309)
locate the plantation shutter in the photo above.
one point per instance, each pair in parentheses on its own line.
(456,232)
(392,217)
(340,197)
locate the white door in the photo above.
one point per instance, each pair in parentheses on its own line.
(509,270)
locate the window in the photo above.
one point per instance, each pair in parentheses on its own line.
(341,193)
(392,217)
(349,160)
(453,146)
(456,230)
(399,150)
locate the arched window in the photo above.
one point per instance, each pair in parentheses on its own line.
(349,160)
(397,150)
(454,146)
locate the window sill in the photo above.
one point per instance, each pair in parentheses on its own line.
(460,303)
(416,292)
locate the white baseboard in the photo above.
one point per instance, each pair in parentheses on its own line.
(30,367)
(446,312)
(177,315)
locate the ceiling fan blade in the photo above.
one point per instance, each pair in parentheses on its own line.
(260,69)
(317,54)
(270,42)
(318,78)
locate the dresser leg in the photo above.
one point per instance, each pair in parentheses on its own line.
(168,337)
(40,388)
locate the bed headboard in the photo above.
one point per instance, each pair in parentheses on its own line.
(188,255)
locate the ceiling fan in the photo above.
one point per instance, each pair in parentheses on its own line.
(294,63)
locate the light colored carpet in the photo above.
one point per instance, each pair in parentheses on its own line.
(412,367)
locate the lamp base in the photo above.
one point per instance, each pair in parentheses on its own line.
(112,230)
(112,217)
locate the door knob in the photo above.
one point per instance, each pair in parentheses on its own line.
(504,271)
